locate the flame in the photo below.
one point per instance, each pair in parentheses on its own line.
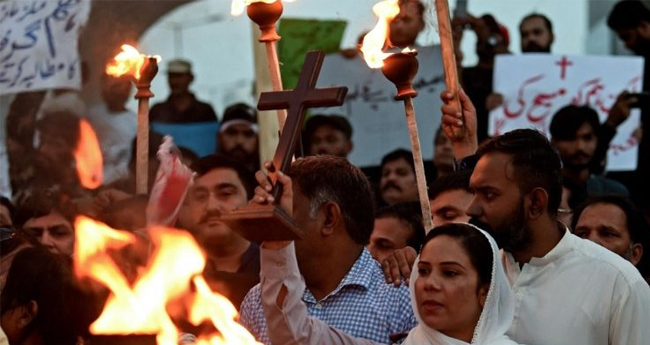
(374,41)
(237,7)
(204,305)
(172,276)
(129,61)
(88,157)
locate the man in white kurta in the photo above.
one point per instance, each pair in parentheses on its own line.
(567,290)
(579,293)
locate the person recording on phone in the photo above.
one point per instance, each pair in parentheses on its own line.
(630,21)
(492,39)
(618,113)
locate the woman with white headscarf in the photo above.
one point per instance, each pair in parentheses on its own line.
(459,292)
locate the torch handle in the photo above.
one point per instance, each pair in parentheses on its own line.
(418,163)
(448,58)
(142,148)
(276,77)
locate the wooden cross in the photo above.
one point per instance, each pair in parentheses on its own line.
(259,223)
(297,101)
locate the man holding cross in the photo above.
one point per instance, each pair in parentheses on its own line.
(345,286)
(333,209)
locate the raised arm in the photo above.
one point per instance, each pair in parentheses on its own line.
(467,144)
(282,286)
(286,314)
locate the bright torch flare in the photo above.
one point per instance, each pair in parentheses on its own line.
(88,157)
(400,69)
(172,277)
(374,41)
(141,69)
(128,62)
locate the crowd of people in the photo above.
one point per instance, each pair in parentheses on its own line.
(533,241)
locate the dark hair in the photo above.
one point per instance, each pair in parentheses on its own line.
(38,275)
(536,163)
(636,223)
(409,213)
(188,154)
(418,3)
(239,111)
(544,18)
(329,178)
(40,201)
(628,14)
(569,119)
(208,163)
(10,207)
(476,246)
(338,122)
(397,155)
(453,181)
(137,204)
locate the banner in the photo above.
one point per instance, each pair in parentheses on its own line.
(300,36)
(536,86)
(378,120)
(38,44)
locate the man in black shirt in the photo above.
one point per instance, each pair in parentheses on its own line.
(181,106)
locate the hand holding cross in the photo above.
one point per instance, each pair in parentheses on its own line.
(279,226)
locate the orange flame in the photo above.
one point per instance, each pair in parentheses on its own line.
(373,41)
(129,61)
(88,157)
(237,7)
(172,276)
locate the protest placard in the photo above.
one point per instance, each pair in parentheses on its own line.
(300,36)
(38,44)
(376,117)
(535,86)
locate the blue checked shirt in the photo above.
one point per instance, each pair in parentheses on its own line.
(362,305)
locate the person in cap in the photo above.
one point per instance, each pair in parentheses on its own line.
(328,135)
(237,137)
(181,106)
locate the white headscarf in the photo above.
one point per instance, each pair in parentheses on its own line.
(495,318)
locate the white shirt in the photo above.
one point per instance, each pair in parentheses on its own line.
(579,293)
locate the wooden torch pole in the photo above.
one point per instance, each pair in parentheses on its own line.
(265,15)
(147,73)
(420,178)
(448,58)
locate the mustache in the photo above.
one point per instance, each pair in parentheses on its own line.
(391,185)
(533,47)
(208,215)
(580,154)
(237,148)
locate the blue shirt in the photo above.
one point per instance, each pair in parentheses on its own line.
(362,305)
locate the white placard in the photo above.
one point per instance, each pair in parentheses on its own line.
(378,120)
(38,44)
(535,86)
